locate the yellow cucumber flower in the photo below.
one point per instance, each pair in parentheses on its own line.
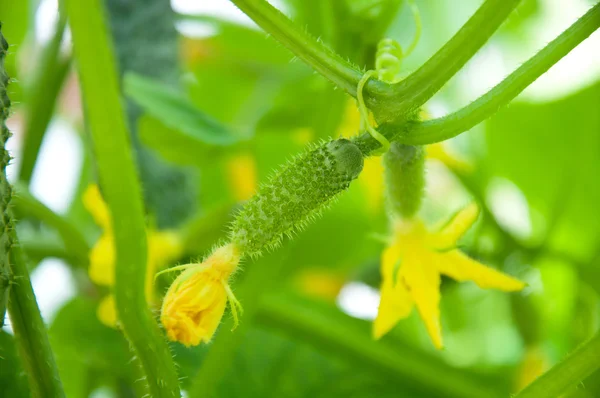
(164,247)
(411,267)
(194,304)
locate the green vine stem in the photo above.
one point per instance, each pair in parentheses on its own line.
(27,205)
(568,373)
(27,323)
(388,102)
(416,89)
(121,190)
(316,54)
(41,96)
(485,106)
(436,130)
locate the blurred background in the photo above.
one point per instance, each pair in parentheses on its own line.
(215,106)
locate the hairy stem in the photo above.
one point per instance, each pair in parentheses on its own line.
(436,130)
(121,189)
(388,102)
(26,320)
(316,54)
(568,373)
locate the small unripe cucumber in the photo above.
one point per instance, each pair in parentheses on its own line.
(404,178)
(295,194)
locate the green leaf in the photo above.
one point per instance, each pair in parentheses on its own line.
(550,151)
(86,347)
(176,111)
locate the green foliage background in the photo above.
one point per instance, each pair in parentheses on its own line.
(193,104)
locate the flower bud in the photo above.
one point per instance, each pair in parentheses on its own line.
(404,178)
(194,304)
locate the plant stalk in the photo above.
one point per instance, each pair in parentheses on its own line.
(121,190)
(26,320)
(568,373)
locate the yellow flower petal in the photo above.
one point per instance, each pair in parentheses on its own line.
(107,311)
(423,283)
(460,223)
(95,205)
(461,267)
(102,261)
(389,260)
(395,304)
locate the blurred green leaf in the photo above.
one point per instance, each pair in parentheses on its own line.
(176,111)
(552,153)
(86,350)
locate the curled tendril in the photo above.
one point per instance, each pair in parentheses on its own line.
(364,115)
(388,60)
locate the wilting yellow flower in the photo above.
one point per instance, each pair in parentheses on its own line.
(163,248)
(194,304)
(411,267)
(242,176)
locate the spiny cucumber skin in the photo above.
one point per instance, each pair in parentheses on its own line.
(5,188)
(295,195)
(404,178)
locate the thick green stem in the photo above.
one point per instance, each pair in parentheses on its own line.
(416,89)
(436,130)
(41,97)
(26,320)
(30,332)
(568,373)
(386,101)
(27,205)
(121,190)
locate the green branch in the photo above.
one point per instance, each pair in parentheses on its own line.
(121,189)
(568,373)
(436,130)
(316,54)
(27,205)
(485,106)
(26,320)
(386,101)
(416,89)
